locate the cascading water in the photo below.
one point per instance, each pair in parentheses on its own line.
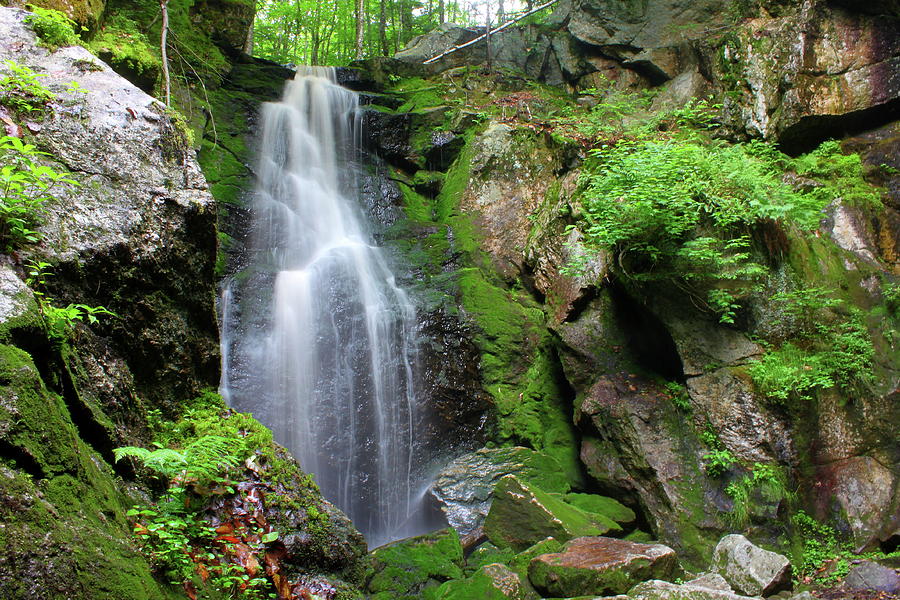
(317,337)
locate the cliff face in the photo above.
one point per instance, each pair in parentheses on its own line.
(135,233)
(640,377)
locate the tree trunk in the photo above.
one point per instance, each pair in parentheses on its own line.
(248,42)
(441,14)
(360,27)
(487,34)
(382,29)
(164,32)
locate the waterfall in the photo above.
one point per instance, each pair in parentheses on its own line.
(318,340)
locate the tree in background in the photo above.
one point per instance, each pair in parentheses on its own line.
(336,32)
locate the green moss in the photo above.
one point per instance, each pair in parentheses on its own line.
(412,568)
(416,206)
(62,514)
(602,505)
(521,515)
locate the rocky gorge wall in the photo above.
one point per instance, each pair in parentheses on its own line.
(625,383)
(616,386)
(135,233)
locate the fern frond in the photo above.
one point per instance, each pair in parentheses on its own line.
(166,461)
(207,457)
(131,452)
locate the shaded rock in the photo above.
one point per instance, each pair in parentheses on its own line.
(663,590)
(465,487)
(442,150)
(748,428)
(403,569)
(859,494)
(750,569)
(602,505)
(387,134)
(639,442)
(712,581)
(872,576)
(521,515)
(490,582)
(600,565)
(511,173)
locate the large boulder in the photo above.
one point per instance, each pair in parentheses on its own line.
(405,568)
(601,565)
(664,590)
(750,569)
(465,487)
(522,514)
(490,582)
(872,576)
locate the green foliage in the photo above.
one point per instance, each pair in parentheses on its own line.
(679,395)
(817,544)
(839,175)
(53,28)
(891,294)
(718,462)
(25,186)
(203,461)
(766,480)
(830,346)
(21,91)
(324,32)
(59,322)
(647,200)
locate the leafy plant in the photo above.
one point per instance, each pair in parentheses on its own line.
(830,346)
(679,395)
(59,321)
(718,462)
(53,28)
(202,462)
(767,480)
(21,91)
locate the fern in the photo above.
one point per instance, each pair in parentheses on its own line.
(207,457)
(204,460)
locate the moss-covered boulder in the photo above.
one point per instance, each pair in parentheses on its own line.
(601,566)
(602,505)
(465,487)
(414,568)
(490,582)
(63,531)
(522,515)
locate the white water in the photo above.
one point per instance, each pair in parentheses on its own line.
(317,338)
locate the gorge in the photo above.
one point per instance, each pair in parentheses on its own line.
(633,289)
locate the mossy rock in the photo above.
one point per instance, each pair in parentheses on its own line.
(601,566)
(63,531)
(602,505)
(490,582)
(522,515)
(414,567)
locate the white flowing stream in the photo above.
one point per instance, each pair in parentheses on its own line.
(318,340)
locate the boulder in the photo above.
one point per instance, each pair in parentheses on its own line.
(663,590)
(464,488)
(490,582)
(750,569)
(600,565)
(522,514)
(401,570)
(872,576)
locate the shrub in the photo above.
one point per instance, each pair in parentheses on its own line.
(21,91)
(25,186)
(53,28)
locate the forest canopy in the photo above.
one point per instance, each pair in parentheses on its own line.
(336,32)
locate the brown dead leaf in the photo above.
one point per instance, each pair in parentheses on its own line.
(225,528)
(190,590)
